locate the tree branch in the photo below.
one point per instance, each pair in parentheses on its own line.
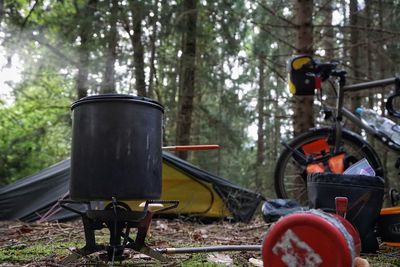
(273,13)
(278,38)
(356,27)
(25,21)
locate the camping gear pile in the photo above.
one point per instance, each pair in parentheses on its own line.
(92,113)
(116,165)
(305,232)
(332,230)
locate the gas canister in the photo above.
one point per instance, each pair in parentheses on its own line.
(311,238)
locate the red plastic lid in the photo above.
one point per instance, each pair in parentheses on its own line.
(311,238)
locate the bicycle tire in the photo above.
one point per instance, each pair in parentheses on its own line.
(292,183)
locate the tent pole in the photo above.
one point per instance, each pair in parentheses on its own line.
(210,249)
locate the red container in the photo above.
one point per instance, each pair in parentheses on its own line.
(311,238)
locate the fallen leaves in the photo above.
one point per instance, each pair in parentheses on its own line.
(220,259)
(163,233)
(177,233)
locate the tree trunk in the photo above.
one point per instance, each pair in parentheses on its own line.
(138,54)
(354,39)
(382,67)
(303,117)
(260,126)
(328,46)
(328,33)
(369,20)
(355,99)
(153,38)
(382,63)
(344,31)
(185,111)
(1,10)
(108,85)
(369,63)
(85,30)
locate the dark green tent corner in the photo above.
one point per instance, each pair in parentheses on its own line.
(200,193)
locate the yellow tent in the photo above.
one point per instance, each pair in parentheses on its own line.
(199,193)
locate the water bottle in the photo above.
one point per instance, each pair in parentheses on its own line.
(383,125)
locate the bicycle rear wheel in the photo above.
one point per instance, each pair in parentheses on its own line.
(291,170)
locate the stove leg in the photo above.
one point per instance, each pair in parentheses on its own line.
(90,247)
(139,243)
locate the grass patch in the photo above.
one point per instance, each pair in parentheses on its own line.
(47,244)
(383,260)
(197,260)
(35,251)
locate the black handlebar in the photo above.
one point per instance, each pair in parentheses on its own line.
(326,69)
(329,66)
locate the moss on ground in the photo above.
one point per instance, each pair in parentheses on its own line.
(35,251)
(49,244)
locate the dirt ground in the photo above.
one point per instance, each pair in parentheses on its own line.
(59,239)
(47,244)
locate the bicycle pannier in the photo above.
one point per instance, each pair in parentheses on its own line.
(301,76)
(365,195)
(316,150)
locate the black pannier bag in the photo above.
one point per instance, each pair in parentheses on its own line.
(365,199)
(301,76)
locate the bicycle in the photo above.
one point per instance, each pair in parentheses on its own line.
(318,146)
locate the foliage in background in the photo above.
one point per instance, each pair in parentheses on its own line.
(35,129)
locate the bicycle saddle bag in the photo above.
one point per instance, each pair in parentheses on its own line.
(365,196)
(301,75)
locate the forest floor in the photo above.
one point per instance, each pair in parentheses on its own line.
(47,244)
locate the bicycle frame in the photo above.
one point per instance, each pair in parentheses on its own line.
(341,111)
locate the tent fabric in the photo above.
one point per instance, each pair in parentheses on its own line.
(199,193)
(239,201)
(28,196)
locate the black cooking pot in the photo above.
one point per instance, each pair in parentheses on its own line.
(116,148)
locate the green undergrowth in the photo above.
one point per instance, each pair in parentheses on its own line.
(197,260)
(34,251)
(21,254)
(384,260)
(31,247)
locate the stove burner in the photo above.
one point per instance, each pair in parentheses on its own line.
(119,219)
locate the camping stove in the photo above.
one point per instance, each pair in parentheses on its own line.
(116,155)
(119,219)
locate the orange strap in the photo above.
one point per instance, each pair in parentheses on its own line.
(336,163)
(317,167)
